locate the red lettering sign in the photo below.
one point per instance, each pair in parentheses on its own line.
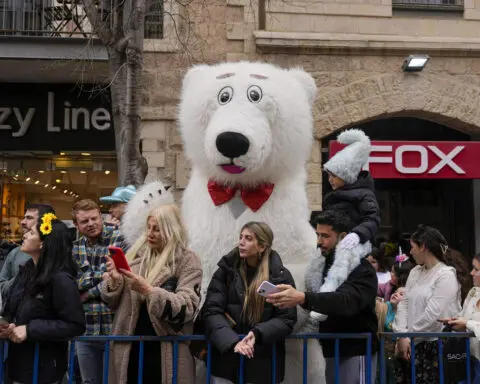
(422,159)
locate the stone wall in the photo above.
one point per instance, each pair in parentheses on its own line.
(354,49)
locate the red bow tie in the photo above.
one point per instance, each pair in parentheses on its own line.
(253,198)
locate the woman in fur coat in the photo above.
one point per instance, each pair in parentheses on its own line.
(234,307)
(159,297)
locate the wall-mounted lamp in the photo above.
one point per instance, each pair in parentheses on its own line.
(415,63)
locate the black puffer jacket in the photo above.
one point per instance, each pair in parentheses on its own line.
(358,201)
(52,317)
(226,293)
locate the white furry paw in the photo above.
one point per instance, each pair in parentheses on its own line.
(350,241)
(313,322)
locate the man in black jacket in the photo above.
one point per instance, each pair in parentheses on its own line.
(349,309)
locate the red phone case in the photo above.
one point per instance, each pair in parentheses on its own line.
(119,258)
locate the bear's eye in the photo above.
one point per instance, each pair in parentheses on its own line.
(225,95)
(254,93)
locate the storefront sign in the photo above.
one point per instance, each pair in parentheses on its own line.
(55,117)
(422,159)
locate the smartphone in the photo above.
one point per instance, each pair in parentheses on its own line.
(267,288)
(119,258)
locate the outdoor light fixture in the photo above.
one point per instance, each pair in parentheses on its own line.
(415,63)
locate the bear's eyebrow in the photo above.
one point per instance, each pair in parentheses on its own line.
(225,75)
(261,77)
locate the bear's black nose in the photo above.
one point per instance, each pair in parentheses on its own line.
(232,144)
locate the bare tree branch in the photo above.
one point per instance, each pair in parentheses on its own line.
(101,29)
(120,25)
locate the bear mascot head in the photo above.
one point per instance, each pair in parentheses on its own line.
(247,130)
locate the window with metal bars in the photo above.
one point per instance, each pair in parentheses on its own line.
(154,20)
(445,5)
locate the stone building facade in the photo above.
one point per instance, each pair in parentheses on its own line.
(353,48)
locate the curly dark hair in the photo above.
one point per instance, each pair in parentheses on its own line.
(384,254)
(339,221)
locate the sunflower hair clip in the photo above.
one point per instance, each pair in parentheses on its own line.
(46,226)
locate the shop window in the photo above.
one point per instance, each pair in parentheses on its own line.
(154,20)
(429,5)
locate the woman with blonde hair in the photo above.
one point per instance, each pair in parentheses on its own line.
(234,307)
(159,297)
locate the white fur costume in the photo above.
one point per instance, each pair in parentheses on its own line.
(346,260)
(245,124)
(147,197)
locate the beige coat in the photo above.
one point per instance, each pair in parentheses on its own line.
(188,271)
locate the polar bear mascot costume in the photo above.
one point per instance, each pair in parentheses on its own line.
(247,130)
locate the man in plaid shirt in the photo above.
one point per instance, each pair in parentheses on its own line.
(89,251)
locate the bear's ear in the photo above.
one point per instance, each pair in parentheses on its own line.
(306,81)
(193,74)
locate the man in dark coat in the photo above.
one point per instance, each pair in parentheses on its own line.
(349,309)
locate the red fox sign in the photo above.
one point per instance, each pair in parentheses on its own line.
(422,159)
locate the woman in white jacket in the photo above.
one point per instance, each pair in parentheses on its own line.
(469,318)
(432,292)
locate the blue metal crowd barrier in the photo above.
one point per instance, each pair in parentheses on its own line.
(175,340)
(439,336)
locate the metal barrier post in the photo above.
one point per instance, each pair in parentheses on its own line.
(175,362)
(209,362)
(412,359)
(36,358)
(469,374)
(71,362)
(2,360)
(305,360)
(140,361)
(240,374)
(274,364)
(382,372)
(368,368)
(440,359)
(106,358)
(337,361)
